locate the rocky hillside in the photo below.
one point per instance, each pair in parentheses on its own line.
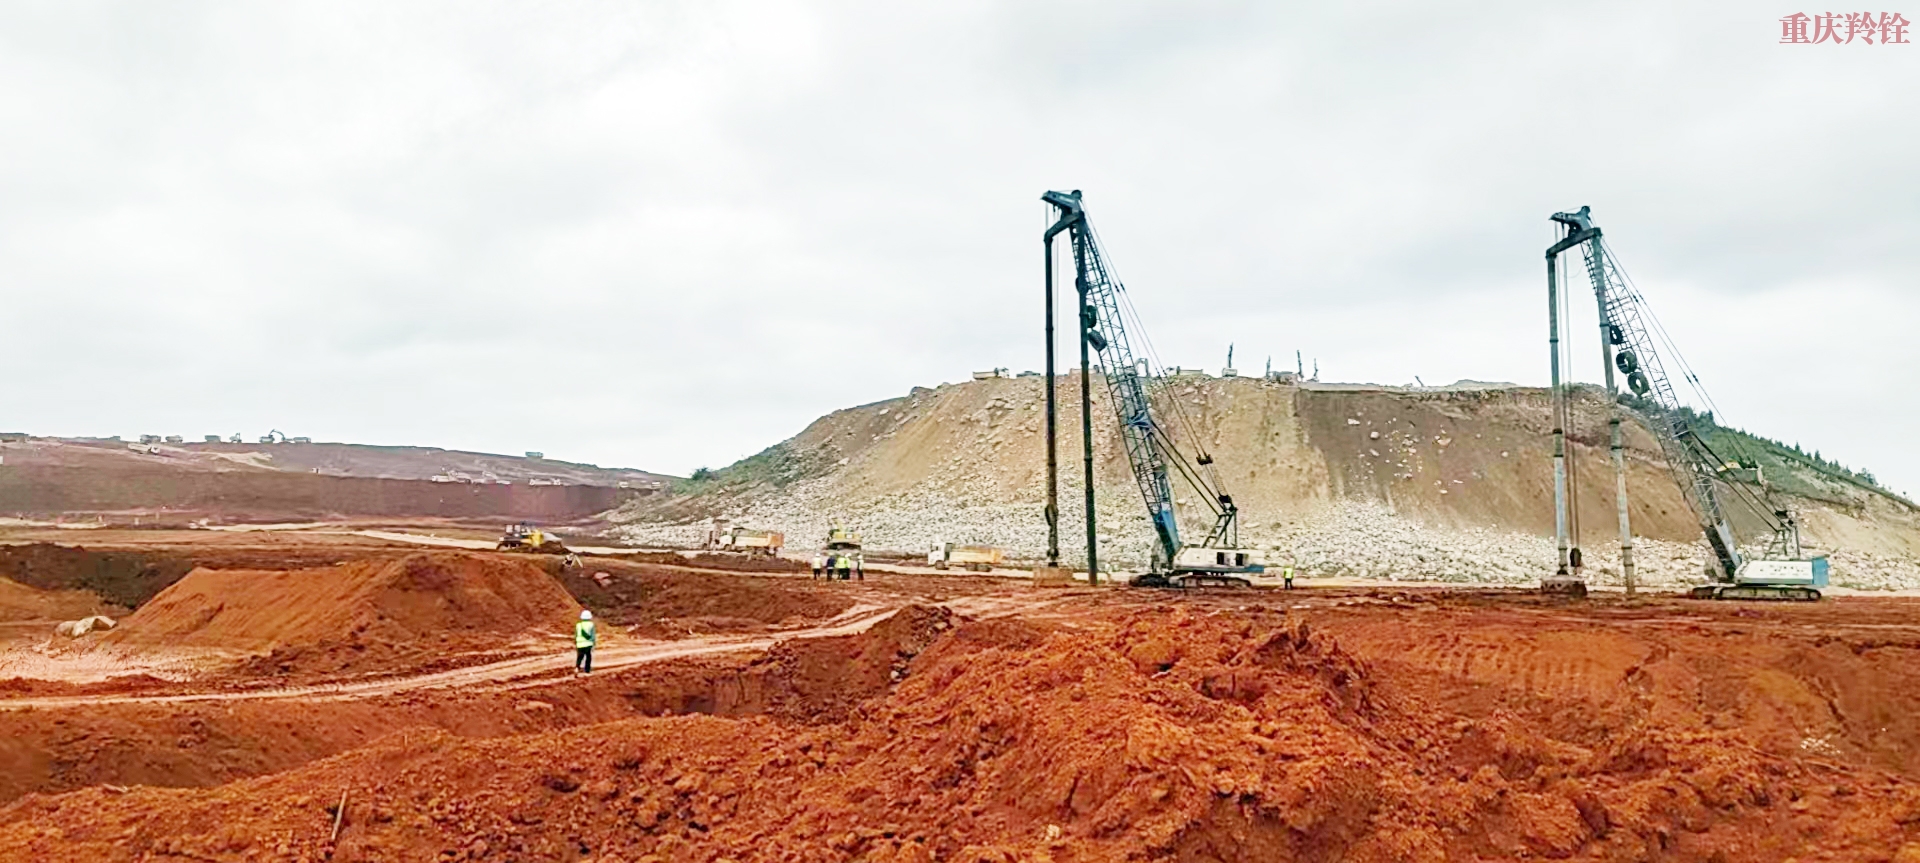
(1449,483)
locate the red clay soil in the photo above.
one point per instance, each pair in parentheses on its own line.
(812,680)
(673,602)
(360,616)
(1837,681)
(204,744)
(128,577)
(251,495)
(20,602)
(1178,734)
(711,560)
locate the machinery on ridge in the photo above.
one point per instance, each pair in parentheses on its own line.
(1151,451)
(1628,345)
(527,537)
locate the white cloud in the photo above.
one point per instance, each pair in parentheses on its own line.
(666,235)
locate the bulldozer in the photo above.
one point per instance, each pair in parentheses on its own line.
(528,538)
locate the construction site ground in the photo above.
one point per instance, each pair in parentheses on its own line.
(346,692)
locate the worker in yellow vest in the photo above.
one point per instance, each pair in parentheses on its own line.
(584,638)
(1286,572)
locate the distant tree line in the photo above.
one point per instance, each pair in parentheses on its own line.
(1740,444)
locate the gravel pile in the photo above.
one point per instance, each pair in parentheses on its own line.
(1347,539)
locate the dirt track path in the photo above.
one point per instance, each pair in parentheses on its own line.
(505,674)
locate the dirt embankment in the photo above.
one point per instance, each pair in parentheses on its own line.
(19,602)
(671,601)
(124,579)
(211,743)
(1448,484)
(1184,733)
(180,496)
(360,616)
(1469,457)
(814,680)
(382,611)
(329,459)
(127,578)
(1840,681)
(714,560)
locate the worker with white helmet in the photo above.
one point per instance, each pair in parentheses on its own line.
(584,637)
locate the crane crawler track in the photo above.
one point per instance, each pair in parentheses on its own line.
(1766,592)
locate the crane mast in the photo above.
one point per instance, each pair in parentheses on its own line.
(1627,345)
(1151,452)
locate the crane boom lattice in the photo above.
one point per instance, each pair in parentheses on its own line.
(1151,452)
(1630,344)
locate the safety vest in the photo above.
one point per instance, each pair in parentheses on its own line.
(583,634)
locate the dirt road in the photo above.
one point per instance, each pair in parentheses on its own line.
(490,675)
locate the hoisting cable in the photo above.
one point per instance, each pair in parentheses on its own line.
(1208,486)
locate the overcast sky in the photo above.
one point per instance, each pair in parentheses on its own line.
(666,235)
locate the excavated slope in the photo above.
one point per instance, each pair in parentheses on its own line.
(1182,734)
(1448,483)
(355,614)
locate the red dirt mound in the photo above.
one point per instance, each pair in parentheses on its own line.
(209,743)
(1146,736)
(123,578)
(810,680)
(671,602)
(20,602)
(128,577)
(424,601)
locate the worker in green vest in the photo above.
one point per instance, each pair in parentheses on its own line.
(584,637)
(1286,572)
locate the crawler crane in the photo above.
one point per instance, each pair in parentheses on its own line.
(1628,346)
(1150,450)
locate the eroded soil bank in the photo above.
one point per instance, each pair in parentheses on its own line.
(1359,725)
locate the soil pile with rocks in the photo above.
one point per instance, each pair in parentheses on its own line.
(1144,734)
(20,602)
(1443,484)
(814,680)
(674,602)
(354,616)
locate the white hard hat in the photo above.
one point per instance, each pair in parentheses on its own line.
(586,615)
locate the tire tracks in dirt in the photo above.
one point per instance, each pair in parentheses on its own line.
(545,668)
(503,674)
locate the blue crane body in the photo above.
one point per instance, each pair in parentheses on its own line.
(1629,346)
(1151,451)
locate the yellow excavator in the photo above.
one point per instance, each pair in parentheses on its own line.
(531,539)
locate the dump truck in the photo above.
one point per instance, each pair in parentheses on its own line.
(975,558)
(766,542)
